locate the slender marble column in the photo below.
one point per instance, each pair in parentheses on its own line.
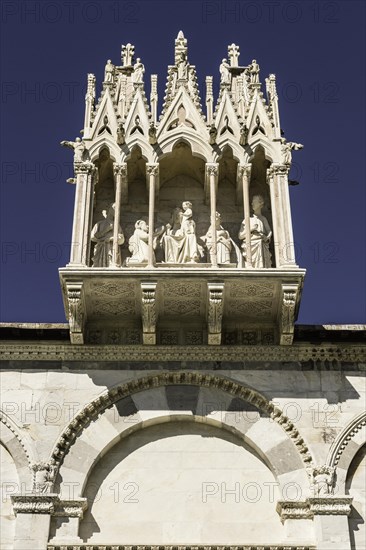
(245,171)
(119,171)
(80,246)
(152,172)
(213,171)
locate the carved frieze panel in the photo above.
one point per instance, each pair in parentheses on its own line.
(182,289)
(112,307)
(185,307)
(194,337)
(251,290)
(260,308)
(112,289)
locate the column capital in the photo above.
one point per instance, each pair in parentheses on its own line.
(212,168)
(84,167)
(120,169)
(278,170)
(244,170)
(152,169)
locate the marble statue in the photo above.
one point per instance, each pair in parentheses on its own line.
(43,477)
(79,148)
(138,243)
(109,71)
(323,481)
(152,134)
(179,240)
(138,72)
(102,236)
(286,148)
(223,241)
(244,132)
(213,134)
(253,70)
(182,66)
(121,134)
(261,234)
(225,72)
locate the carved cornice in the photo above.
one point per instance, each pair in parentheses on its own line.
(290,509)
(319,354)
(330,505)
(49,504)
(74,508)
(312,506)
(113,395)
(176,547)
(34,504)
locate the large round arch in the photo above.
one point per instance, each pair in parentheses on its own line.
(205,397)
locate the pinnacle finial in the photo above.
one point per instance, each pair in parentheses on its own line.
(180,35)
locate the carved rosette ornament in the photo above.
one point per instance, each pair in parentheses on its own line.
(287,314)
(76,312)
(215,312)
(148,313)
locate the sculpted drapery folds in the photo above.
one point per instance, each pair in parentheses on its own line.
(223,241)
(260,235)
(179,241)
(102,236)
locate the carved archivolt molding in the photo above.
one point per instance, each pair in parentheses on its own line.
(4,419)
(344,438)
(65,352)
(96,407)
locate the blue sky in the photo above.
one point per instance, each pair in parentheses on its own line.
(317,51)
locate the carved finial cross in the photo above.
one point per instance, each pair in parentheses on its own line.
(233,53)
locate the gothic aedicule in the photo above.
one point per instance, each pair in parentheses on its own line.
(182,202)
(192,414)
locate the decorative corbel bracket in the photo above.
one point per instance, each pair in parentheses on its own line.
(214,312)
(76,311)
(287,313)
(148,312)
